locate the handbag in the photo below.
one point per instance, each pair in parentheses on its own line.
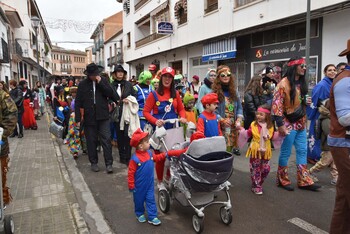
(296,115)
(56,130)
(115,114)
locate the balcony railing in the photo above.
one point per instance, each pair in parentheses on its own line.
(211,8)
(118,59)
(93,50)
(148,39)
(140,4)
(68,70)
(239,3)
(65,61)
(17,49)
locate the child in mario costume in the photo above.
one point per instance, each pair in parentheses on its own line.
(141,176)
(208,121)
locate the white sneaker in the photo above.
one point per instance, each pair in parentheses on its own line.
(313,177)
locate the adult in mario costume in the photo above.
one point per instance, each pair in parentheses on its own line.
(164,103)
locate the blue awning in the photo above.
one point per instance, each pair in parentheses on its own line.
(219,50)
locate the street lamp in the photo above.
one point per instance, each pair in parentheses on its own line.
(36,23)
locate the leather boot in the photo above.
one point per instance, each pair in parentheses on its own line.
(282,179)
(304,180)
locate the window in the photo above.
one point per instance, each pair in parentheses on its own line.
(284,34)
(239,3)
(212,5)
(180,10)
(128,40)
(198,62)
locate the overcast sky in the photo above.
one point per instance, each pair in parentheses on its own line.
(83,16)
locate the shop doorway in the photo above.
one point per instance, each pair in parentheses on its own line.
(177,66)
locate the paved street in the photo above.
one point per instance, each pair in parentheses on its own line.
(275,211)
(53,193)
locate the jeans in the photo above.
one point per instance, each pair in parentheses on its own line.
(298,139)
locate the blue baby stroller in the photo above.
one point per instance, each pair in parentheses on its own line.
(196,176)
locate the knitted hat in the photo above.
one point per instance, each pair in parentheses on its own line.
(188,97)
(209,99)
(144,77)
(137,136)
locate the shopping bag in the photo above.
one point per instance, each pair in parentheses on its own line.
(56,130)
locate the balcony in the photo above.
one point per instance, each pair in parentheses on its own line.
(65,61)
(66,70)
(120,58)
(93,50)
(148,39)
(97,46)
(140,4)
(101,43)
(17,51)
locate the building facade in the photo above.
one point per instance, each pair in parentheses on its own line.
(247,35)
(68,63)
(30,50)
(107,43)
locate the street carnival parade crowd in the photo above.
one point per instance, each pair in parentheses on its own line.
(101,112)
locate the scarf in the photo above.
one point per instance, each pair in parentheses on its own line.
(207,83)
(264,134)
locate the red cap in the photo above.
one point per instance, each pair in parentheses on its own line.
(168,70)
(152,67)
(197,135)
(209,99)
(137,136)
(195,77)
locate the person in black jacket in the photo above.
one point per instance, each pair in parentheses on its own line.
(91,108)
(253,98)
(17,96)
(123,89)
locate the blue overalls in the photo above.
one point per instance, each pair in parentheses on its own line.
(144,187)
(165,110)
(210,126)
(141,96)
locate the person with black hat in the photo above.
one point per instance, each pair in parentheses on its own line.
(91,108)
(339,142)
(122,88)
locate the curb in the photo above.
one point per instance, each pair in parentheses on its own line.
(82,195)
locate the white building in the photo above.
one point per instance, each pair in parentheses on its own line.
(247,35)
(5,71)
(26,53)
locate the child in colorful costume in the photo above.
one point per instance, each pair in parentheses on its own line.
(141,176)
(261,130)
(208,120)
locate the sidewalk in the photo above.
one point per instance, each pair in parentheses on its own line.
(43,196)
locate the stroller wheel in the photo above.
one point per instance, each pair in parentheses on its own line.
(9,226)
(198,223)
(225,215)
(164,201)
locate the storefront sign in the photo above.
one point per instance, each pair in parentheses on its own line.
(221,56)
(165,27)
(295,47)
(219,50)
